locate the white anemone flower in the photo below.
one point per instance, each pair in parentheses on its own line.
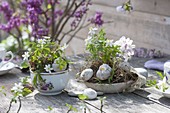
(109,43)
(88,40)
(48,68)
(18,87)
(92,31)
(41,41)
(22,79)
(26,55)
(25,35)
(64,47)
(126,47)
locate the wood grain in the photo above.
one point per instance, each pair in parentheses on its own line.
(139,101)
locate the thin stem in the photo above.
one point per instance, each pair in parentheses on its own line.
(19,104)
(76,7)
(68,110)
(12,4)
(72,36)
(42,22)
(93,106)
(101,107)
(19,38)
(66,11)
(84,110)
(74,28)
(19,44)
(10,105)
(53,21)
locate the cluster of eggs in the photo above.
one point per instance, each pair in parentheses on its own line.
(103,73)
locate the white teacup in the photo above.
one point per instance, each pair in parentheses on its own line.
(3,55)
(167,71)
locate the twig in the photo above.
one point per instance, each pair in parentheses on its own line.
(19,44)
(93,106)
(64,23)
(72,29)
(66,11)
(53,20)
(19,104)
(72,36)
(68,110)
(10,105)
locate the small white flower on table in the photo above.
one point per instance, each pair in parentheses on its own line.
(26,55)
(48,68)
(18,87)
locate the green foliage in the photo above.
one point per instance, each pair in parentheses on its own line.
(127,6)
(110,79)
(151,83)
(24,64)
(162,85)
(50,108)
(82,97)
(26,91)
(37,78)
(61,62)
(160,74)
(2,90)
(44,52)
(99,49)
(71,108)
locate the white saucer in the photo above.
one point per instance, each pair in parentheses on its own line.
(166,93)
(6,68)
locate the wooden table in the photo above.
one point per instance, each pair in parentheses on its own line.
(139,101)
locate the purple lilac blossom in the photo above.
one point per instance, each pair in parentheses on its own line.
(6,10)
(14,22)
(97,19)
(58,12)
(53,1)
(78,15)
(34,9)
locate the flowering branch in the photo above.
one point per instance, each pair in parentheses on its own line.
(45,19)
(62,26)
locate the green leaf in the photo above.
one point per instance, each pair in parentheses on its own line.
(82,96)
(160,75)
(24,64)
(70,107)
(157,87)
(27,90)
(50,108)
(4,94)
(151,83)
(3,87)
(35,80)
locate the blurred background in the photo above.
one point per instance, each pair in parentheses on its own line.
(148,25)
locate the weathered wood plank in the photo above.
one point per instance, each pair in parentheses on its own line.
(137,102)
